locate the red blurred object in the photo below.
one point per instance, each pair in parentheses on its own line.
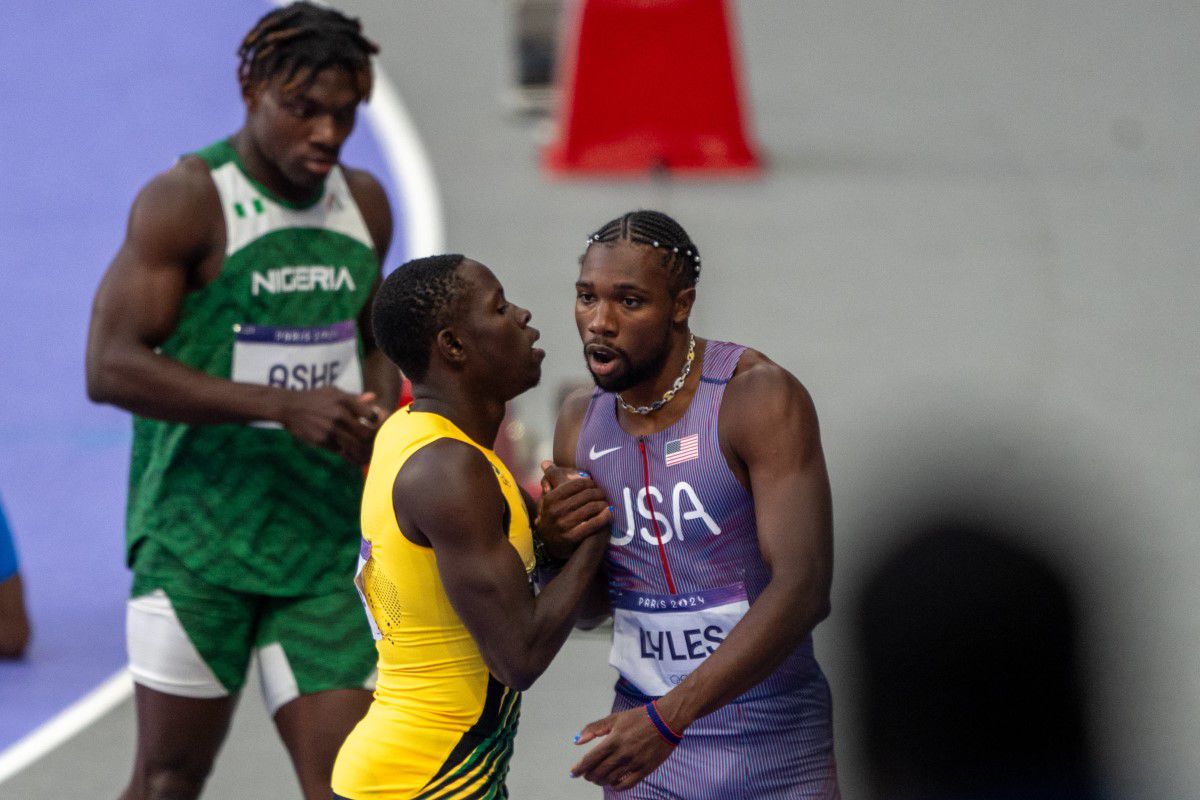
(650,85)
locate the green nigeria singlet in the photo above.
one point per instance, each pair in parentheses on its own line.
(250,507)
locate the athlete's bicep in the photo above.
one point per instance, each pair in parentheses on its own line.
(568,426)
(139,297)
(788,479)
(373,204)
(380,375)
(372,201)
(449,491)
(365,328)
(138,301)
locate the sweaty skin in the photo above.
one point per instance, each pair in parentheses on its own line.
(623,301)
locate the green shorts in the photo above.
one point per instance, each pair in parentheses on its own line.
(191,638)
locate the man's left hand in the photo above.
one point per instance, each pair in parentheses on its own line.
(631,749)
(572,508)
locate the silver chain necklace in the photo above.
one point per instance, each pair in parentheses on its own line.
(675,387)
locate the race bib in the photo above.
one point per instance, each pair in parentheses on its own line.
(658,639)
(364,555)
(297,358)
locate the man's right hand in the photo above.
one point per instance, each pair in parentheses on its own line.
(572,507)
(336,420)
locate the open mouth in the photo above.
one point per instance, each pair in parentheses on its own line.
(601,360)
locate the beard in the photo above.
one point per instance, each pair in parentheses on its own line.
(635,372)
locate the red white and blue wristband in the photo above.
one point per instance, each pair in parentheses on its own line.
(664,730)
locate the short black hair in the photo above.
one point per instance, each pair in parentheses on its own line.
(297,41)
(681,257)
(414,303)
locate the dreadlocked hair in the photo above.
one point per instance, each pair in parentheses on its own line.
(298,41)
(681,257)
(416,301)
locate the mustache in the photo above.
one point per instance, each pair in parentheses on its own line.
(595,344)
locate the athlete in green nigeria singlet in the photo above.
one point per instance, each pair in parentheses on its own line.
(251,508)
(230,322)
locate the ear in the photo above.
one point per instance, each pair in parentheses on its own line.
(682,305)
(450,346)
(251,94)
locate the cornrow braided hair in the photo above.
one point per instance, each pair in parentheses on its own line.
(300,40)
(681,257)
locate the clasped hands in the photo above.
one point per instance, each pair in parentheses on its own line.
(572,508)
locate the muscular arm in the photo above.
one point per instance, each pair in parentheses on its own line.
(174,229)
(447,493)
(171,231)
(566,429)
(595,606)
(380,376)
(785,469)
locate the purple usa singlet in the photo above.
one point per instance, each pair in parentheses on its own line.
(684,566)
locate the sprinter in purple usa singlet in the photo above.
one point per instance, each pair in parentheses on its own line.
(720,554)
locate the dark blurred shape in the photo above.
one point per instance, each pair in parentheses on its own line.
(972,686)
(537,23)
(534,45)
(14,620)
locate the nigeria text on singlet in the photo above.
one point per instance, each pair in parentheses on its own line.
(250,507)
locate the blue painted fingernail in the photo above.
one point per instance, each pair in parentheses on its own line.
(612,510)
(584,474)
(575,739)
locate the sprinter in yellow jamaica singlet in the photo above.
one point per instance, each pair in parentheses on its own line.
(447,556)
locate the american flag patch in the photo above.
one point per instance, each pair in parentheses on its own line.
(681,450)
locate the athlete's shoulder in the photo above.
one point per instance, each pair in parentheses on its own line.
(186,185)
(576,404)
(180,205)
(755,367)
(372,201)
(758,382)
(444,466)
(444,487)
(360,180)
(570,425)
